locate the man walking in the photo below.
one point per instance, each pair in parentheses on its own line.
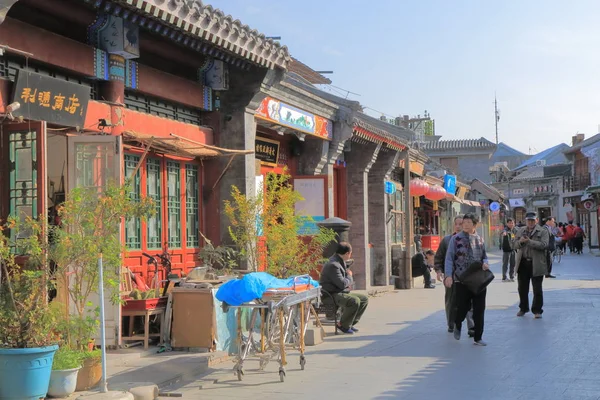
(531,244)
(508,253)
(337,279)
(439,260)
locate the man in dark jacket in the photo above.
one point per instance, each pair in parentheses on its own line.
(337,280)
(508,253)
(439,260)
(420,263)
(531,243)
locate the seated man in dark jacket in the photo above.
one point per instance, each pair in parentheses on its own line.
(421,262)
(336,279)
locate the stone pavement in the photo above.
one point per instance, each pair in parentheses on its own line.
(404,352)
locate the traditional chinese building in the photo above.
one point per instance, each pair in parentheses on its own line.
(93,91)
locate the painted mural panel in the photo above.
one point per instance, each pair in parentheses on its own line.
(295,118)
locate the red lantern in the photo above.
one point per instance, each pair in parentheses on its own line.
(418,187)
(435,193)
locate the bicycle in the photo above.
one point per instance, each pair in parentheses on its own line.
(557,255)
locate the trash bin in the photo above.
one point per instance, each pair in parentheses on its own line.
(341,227)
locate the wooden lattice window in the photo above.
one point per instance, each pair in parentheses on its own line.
(23,174)
(192,196)
(154,228)
(133,226)
(174,203)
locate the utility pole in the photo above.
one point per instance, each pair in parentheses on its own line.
(496,115)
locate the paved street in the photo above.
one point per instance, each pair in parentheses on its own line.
(404,352)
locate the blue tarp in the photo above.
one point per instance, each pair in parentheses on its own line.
(253,286)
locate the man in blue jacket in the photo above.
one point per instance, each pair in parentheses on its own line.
(337,280)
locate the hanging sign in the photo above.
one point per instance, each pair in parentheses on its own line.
(450,183)
(55,101)
(266,150)
(390,187)
(494,206)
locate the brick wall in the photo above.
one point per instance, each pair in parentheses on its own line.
(358,163)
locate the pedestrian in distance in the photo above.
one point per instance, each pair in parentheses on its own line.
(550,225)
(464,249)
(508,253)
(531,244)
(449,299)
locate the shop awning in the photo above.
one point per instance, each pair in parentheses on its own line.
(472,203)
(514,203)
(486,190)
(179,146)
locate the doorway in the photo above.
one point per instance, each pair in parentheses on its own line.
(544,212)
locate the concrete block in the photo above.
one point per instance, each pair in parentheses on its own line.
(112,395)
(139,390)
(314,336)
(145,392)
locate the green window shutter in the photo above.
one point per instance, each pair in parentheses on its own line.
(174,203)
(192,196)
(154,225)
(133,226)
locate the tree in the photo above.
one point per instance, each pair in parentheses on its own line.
(269,232)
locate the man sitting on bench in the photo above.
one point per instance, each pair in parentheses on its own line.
(337,280)
(421,262)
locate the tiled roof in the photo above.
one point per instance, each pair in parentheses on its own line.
(460,144)
(307,72)
(193,18)
(553,155)
(367,126)
(532,172)
(504,150)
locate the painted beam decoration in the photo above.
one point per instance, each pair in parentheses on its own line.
(43,98)
(283,114)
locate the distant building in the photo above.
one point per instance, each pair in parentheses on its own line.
(471,158)
(582,188)
(512,157)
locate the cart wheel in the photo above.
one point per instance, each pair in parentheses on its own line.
(282,374)
(240,374)
(302,362)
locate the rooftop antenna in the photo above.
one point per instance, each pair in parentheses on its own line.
(497,115)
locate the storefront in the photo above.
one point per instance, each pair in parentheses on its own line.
(285,137)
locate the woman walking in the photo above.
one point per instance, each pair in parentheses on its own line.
(464,249)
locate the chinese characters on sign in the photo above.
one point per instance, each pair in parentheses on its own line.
(266,150)
(43,98)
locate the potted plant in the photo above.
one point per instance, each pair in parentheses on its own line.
(219,261)
(65,367)
(75,331)
(90,373)
(28,338)
(91,225)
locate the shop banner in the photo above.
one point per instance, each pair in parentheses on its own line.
(266,150)
(55,101)
(292,117)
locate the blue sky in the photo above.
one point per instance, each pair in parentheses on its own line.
(541,57)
